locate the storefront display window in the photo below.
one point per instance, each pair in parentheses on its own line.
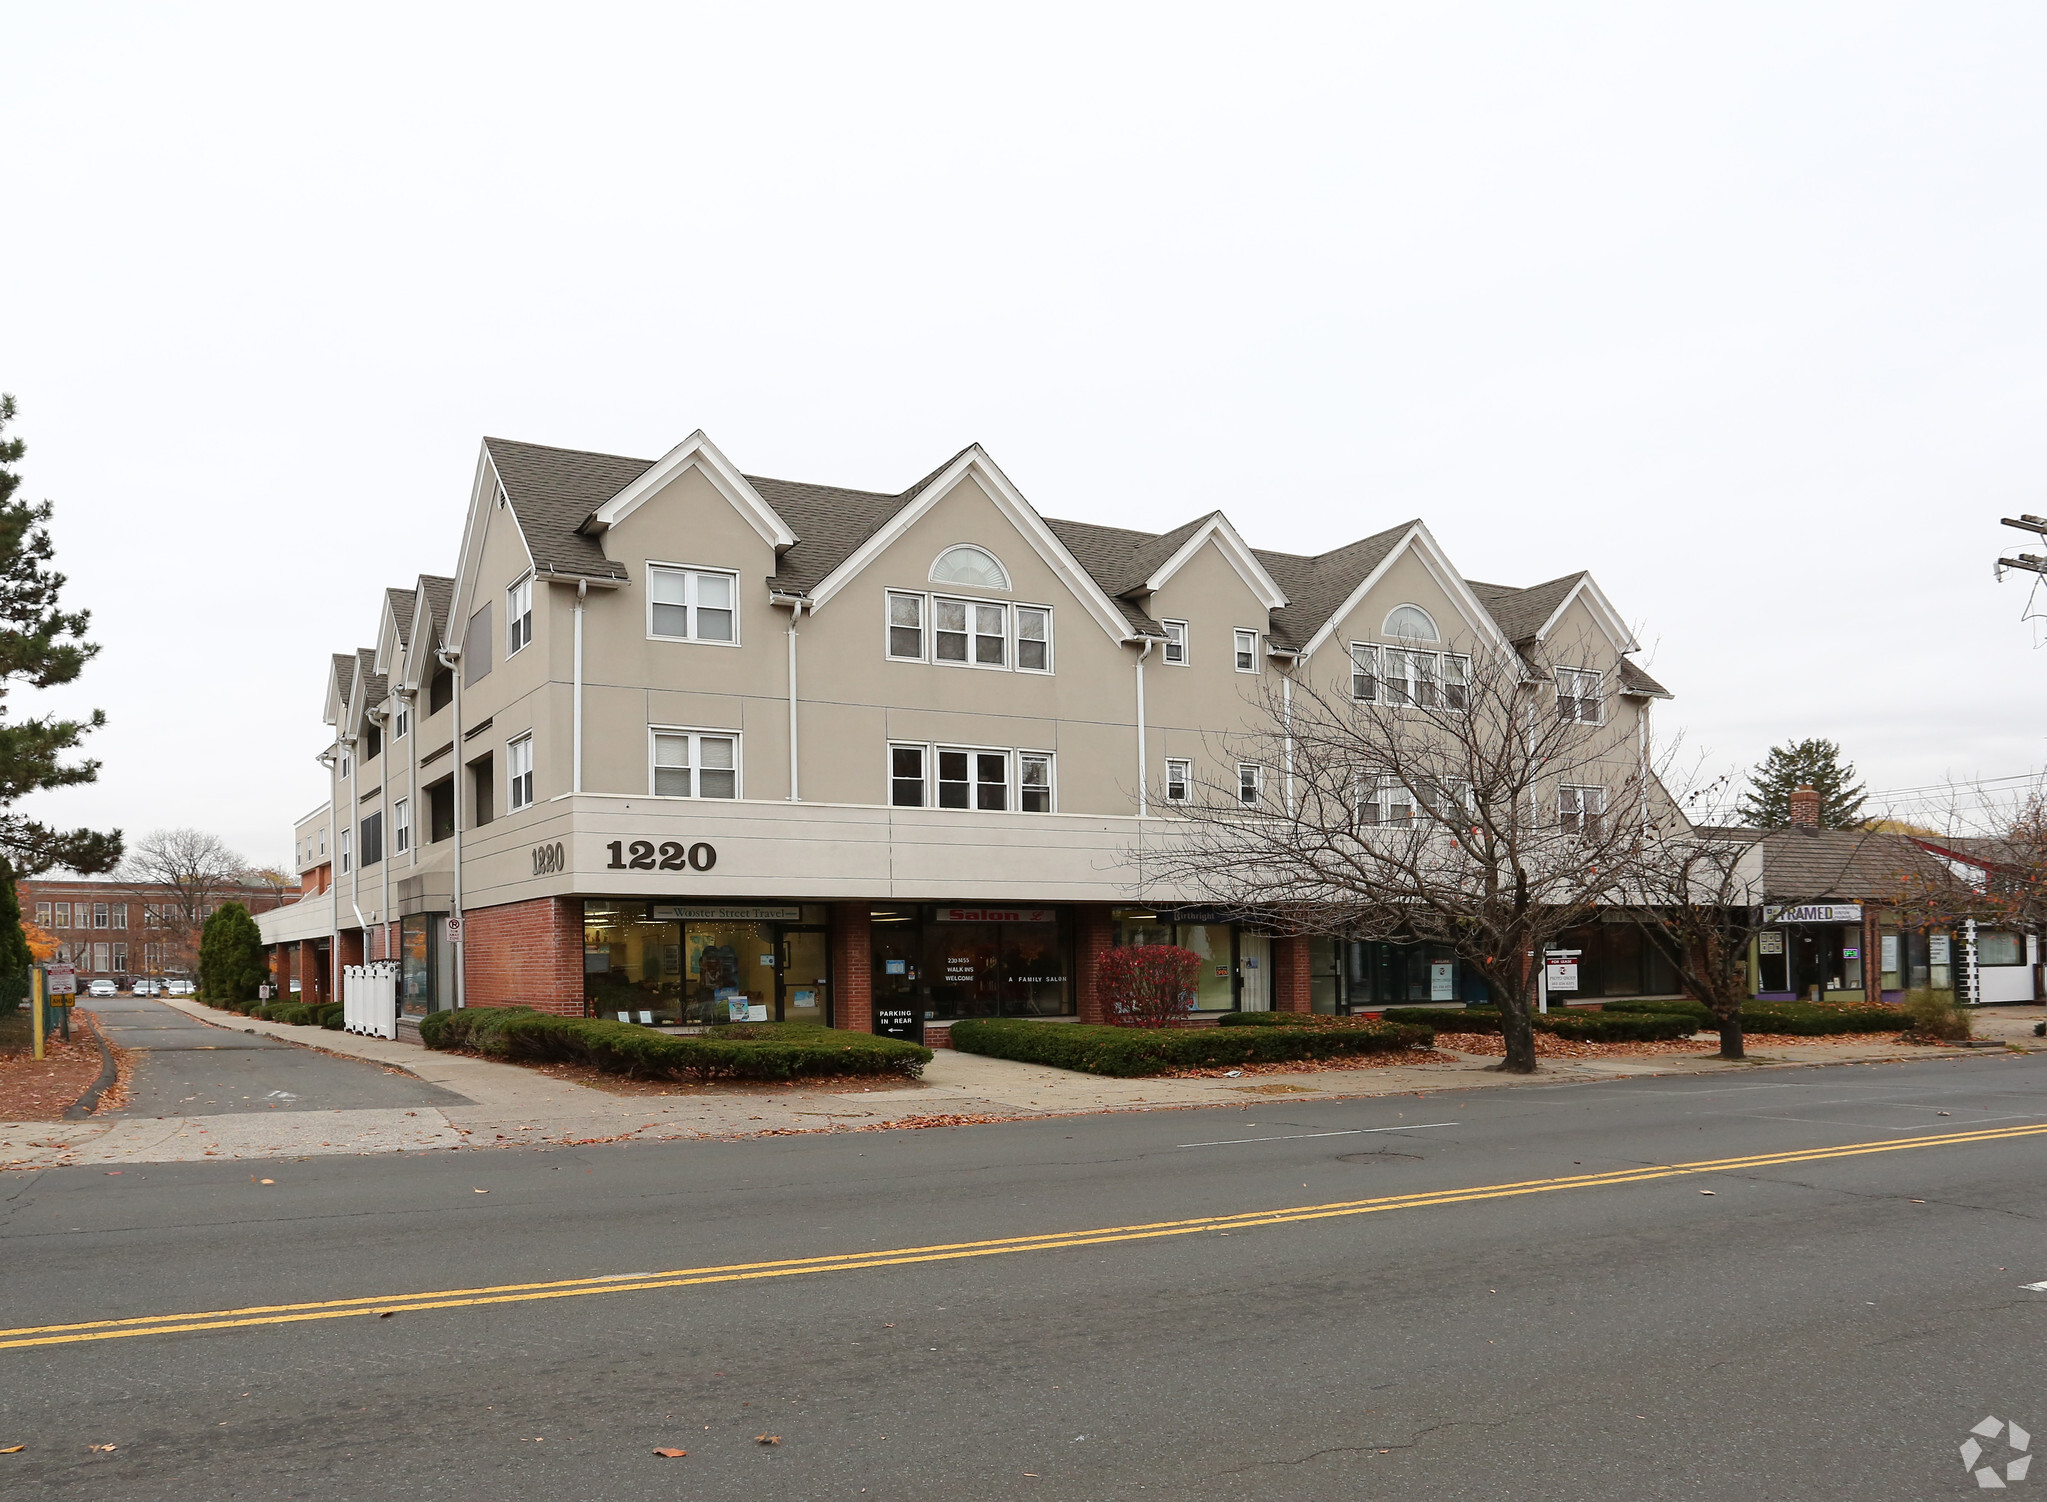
(1214,943)
(669,964)
(948,961)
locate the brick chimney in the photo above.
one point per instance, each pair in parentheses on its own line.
(1805,808)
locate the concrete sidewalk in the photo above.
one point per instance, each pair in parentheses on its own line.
(509,1104)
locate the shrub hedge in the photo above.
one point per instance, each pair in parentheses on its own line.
(1809,1021)
(1129,1052)
(1798,1017)
(744,1051)
(329,1016)
(1280,1019)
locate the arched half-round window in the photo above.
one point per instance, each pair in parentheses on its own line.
(967,564)
(1411,623)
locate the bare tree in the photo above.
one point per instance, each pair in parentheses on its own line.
(1485,804)
(179,873)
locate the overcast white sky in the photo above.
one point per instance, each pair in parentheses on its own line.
(1740,306)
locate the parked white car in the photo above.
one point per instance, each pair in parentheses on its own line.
(149,988)
(102,988)
(178,988)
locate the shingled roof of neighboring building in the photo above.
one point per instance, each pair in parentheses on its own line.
(1805,865)
(371,682)
(553,492)
(344,674)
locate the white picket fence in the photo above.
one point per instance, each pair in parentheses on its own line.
(369,999)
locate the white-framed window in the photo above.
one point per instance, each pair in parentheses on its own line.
(152,957)
(1176,643)
(1247,651)
(1579,809)
(102,957)
(401,722)
(1250,782)
(973,777)
(972,633)
(1429,680)
(120,915)
(42,915)
(401,826)
(1364,672)
(905,626)
(100,916)
(1033,639)
(120,956)
(518,615)
(1179,779)
(63,915)
(969,565)
(906,776)
(696,764)
(1034,785)
(347,766)
(344,851)
(1411,623)
(692,604)
(1390,800)
(519,768)
(1579,696)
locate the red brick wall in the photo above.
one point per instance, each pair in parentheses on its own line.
(852,967)
(1093,936)
(1290,975)
(526,954)
(312,979)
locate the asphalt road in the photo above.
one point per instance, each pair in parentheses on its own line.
(190,1069)
(1814,1327)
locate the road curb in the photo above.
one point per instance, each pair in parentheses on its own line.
(87,1103)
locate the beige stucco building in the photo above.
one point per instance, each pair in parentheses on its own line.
(705,738)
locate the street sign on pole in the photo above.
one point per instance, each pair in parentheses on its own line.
(63,979)
(454,930)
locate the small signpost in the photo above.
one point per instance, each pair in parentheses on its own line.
(60,990)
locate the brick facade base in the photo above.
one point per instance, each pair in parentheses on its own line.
(1290,974)
(526,954)
(853,967)
(1094,935)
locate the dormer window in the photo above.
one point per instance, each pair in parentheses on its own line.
(974,567)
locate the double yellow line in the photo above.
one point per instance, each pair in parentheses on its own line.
(569,1288)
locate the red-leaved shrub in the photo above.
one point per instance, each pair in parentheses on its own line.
(1148,985)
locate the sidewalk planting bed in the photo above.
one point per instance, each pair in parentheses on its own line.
(1131,1052)
(40,1090)
(741,1051)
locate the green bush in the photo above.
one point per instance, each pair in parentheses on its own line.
(1447,1019)
(1809,1021)
(1131,1052)
(1280,1019)
(1933,1014)
(329,1016)
(295,1013)
(1699,1012)
(746,1051)
(231,962)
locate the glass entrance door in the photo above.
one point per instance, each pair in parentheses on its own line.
(805,975)
(1254,963)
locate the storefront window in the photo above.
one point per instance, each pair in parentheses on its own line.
(1213,943)
(664,963)
(971,960)
(421,959)
(1996,947)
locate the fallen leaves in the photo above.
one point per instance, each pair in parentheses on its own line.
(671,1454)
(767,1439)
(104,1449)
(12,1449)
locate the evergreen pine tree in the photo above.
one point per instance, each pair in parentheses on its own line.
(15,960)
(231,963)
(41,645)
(1814,763)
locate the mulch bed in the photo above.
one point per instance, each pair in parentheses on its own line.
(618,1084)
(1314,1066)
(40,1090)
(1549,1046)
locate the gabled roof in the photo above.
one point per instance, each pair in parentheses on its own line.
(552,492)
(1524,612)
(371,687)
(1803,865)
(1635,681)
(1318,587)
(401,604)
(436,594)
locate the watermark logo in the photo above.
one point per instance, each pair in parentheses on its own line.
(1988,1477)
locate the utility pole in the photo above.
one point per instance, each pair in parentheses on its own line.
(2031,563)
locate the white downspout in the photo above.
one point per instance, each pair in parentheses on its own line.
(452,660)
(576,755)
(411,699)
(1143,767)
(384,858)
(1286,689)
(1642,757)
(326,759)
(795,789)
(354,865)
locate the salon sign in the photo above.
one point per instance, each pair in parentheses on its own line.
(1847,912)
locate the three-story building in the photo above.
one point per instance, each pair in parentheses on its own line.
(676,741)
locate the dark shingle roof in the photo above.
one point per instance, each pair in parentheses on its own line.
(401,602)
(553,491)
(1522,612)
(372,685)
(1635,681)
(440,599)
(344,673)
(1803,865)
